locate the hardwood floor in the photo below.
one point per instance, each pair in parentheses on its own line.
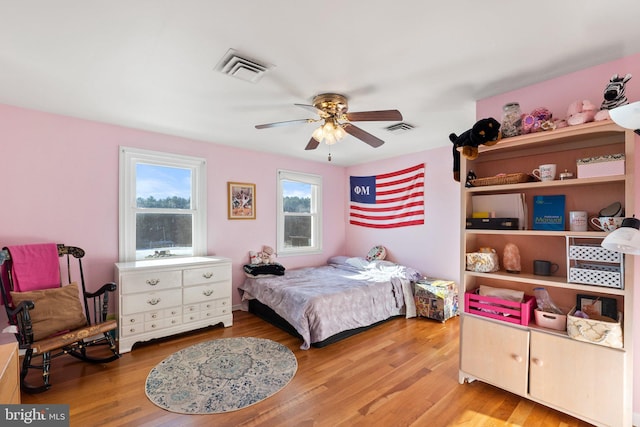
(401,373)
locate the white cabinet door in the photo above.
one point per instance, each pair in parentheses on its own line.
(581,378)
(495,353)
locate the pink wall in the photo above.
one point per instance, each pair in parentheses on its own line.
(60,184)
(557,94)
(432,248)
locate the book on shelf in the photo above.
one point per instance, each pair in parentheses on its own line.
(548,212)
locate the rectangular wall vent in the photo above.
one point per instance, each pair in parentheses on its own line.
(242,67)
(399,127)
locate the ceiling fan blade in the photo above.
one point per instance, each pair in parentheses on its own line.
(374,116)
(373,141)
(309,107)
(312,145)
(289,122)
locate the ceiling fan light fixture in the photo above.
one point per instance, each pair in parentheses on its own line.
(318,134)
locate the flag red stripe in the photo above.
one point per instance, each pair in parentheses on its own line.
(387,209)
(400,172)
(400,224)
(402,190)
(400,181)
(384,217)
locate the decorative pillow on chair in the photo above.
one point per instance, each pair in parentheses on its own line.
(55,310)
(377,252)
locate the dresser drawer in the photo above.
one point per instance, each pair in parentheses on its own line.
(202,293)
(209,274)
(151,301)
(150,281)
(131,325)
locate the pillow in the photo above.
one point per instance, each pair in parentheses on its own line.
(338,260)
(376,252)
(357,262)
(55,310)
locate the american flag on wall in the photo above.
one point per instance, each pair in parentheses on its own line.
(389,200)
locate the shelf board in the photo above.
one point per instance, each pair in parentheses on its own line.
(552,281)
(548,184)
(550,233)
(566,135)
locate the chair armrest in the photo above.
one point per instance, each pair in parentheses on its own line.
(24,306)
(21,318)
(107,287)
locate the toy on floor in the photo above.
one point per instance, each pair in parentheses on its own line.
(484,132)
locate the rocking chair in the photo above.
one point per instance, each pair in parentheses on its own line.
(50,319)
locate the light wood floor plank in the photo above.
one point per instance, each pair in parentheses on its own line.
(401,373)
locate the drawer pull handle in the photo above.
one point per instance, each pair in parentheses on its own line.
(153,301)
(132,320)
(207,292)
(153,282)
(207,275)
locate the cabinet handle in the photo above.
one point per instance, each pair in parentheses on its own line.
(207,292)
(153,301)
(517,357)
(153,282)
(537,362)
(207,275)
(132,320)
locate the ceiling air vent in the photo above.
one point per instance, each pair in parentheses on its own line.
(399,128)
(242,67)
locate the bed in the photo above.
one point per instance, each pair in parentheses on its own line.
(322,305)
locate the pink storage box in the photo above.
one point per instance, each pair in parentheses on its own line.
(551,320)
(495,308)
(611,164)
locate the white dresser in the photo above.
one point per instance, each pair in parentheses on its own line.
(162,297)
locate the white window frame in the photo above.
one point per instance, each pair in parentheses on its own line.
(315,214)
(129,158)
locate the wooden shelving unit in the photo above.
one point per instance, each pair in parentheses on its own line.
(545,365)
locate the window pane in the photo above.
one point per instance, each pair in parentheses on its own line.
(297,231)
(296,197)
(162,187)
(160,235)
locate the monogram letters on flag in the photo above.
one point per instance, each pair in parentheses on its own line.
(389,200)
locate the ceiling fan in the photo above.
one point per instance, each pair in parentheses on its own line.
(332,109)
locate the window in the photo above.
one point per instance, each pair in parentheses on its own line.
(162,205)
(299,207)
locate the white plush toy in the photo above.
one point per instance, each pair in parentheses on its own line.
(266,256)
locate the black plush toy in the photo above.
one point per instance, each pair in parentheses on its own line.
(484,132)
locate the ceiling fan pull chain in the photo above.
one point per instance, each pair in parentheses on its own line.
(329,156)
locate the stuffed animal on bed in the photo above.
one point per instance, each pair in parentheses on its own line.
(484,132)
(265,256)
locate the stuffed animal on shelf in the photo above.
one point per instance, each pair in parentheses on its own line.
(613,96)
(484,132)
(580,112)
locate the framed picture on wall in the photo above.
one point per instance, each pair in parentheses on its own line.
(241,200)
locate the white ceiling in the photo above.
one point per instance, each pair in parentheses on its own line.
(150,64)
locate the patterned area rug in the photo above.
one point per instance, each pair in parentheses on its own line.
(221,375)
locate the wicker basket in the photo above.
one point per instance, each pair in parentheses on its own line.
(510,178)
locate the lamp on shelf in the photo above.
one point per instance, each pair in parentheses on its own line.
(625,239)
(627,116)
